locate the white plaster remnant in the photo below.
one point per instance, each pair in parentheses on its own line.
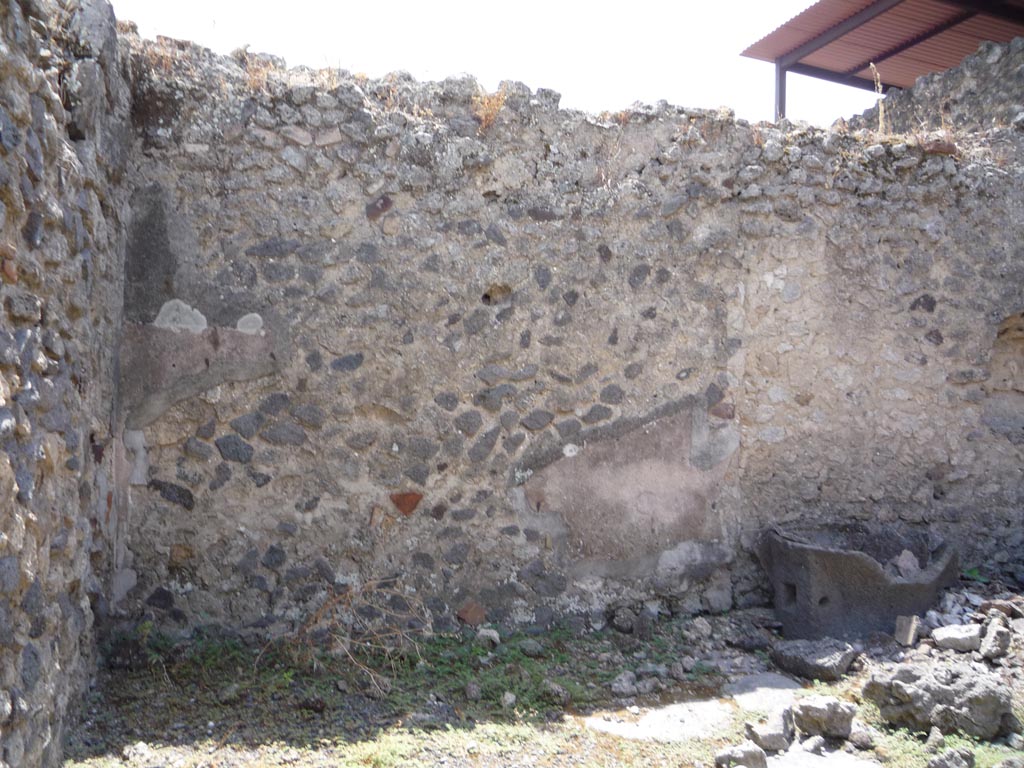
(251,324)
(123,582)
(570,450)
(135,442)
(772,434)
(175,315)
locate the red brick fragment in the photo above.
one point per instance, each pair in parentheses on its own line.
(724,410)
(406,502)
(472,613)
(939,147)
(378,207)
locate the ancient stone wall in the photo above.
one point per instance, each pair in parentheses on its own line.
(64,142)
(274,337)
(985,91)
(522,362)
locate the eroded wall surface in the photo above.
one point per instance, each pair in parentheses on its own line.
(523,362)
(985,91)
(64,142)
(269,336)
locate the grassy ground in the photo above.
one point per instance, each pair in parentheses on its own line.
(215,701)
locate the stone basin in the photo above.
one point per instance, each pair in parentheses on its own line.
(849,580)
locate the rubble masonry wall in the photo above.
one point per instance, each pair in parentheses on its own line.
(269,335)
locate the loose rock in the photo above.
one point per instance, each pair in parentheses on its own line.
(952,697)
(747,754)
(958,637)
(775,734)
(961,757)
(826,659)
(824,716)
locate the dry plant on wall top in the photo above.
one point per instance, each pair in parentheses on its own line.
(486,107)
(880,102)
(257,68)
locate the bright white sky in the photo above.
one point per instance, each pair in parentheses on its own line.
(598,55)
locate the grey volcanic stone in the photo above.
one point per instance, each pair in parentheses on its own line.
(31,667)
(531,648)
(569,429)
(747,755)
(624,685)
(638,276)
(958,637)
(537,419)
(10,136)
(623,619)
(960,757)
(23,306)
(284,433)
(826,659)
(274,557)
(234,448)
(274,248)
(248,425)
(597,413)
(542,275)
(175,494)
(613,394)
(775,734)
(824,716)
(34,601)
(543,582)
(309,415)
(221,475)
(447,400)
(482,448)
(197,449)
(418,473)
(490,399)
(457,553)
(996,642)
(469,422)
(959,697)
(161,598)
(348,363)
(10,574)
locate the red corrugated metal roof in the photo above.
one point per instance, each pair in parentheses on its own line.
(958,27)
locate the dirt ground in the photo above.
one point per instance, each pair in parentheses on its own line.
(673,695)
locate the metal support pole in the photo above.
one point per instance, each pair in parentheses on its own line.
(780,92)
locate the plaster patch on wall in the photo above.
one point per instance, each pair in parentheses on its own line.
(135,442)
(639,493)
(175,315)
(162,367)
(122,583)
(251,323)
(1004,406)
(693,559)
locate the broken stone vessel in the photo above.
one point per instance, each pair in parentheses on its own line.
(849,580)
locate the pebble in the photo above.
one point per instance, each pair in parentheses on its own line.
(531,648)
(489,638)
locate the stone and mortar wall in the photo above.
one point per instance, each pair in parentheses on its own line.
(267,336)
(985,91)
(521,362)
(64,139)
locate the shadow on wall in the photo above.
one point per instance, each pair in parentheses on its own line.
(1004,406)
(183,336)
(641,501)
